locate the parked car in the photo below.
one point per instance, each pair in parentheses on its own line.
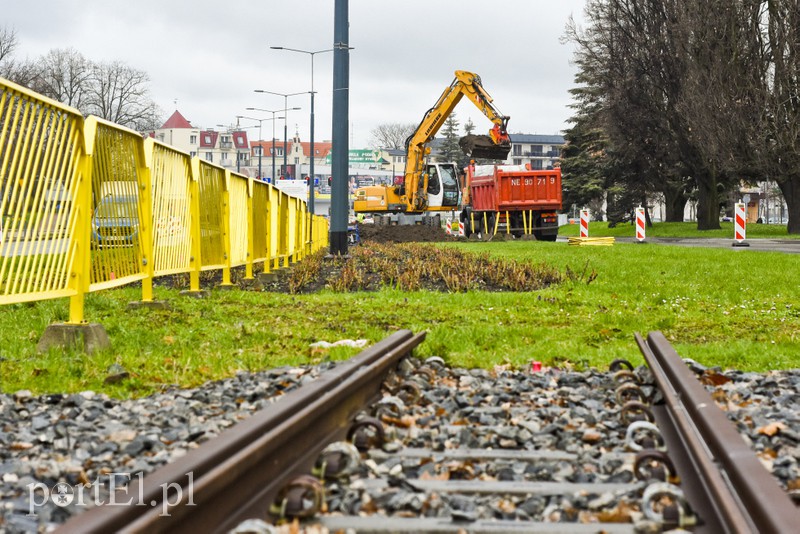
(115,221)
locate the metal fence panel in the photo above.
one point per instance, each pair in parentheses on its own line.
(212,186)
(171,176)
(41,156)
(117,179)
(261,214)
(239,224)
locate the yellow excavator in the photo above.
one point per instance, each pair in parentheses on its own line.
(430,186)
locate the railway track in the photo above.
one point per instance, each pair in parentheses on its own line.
(385,443)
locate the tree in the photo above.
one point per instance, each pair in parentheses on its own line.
(469,127)
(391,135)
(119,93)
(65,75)
(449,150)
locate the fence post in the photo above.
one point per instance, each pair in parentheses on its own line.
(195,263)
(251,233)
(83,231)
(226,230)
(146,221)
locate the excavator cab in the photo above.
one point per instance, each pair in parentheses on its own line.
(443,187)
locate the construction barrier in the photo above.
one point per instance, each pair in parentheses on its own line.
(454,228)
(640,232)
(88,205)
(584,223)
(740,223)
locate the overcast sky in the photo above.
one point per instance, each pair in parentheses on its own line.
(210,56)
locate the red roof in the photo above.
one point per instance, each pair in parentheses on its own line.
(321,148)
(208,139)
(177,121)
(240,139)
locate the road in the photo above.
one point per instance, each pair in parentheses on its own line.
(788,246)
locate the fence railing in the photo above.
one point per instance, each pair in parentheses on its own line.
(89,205)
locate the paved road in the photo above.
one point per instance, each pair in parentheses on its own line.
(789,246)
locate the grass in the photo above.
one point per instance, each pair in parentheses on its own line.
(725,307)
(682,229)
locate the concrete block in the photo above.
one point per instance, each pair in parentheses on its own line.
(89,337)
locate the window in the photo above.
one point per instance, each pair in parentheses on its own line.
(517,150)
(207,139)
(296,161)
(258,150)
(517,161)
(209,156)
(192,139)
(536,165)
(193,153)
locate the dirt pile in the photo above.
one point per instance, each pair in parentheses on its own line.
(409,233)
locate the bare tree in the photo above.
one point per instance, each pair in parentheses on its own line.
(65,75)
(391,135)
(119,93)
(8,43)
(21,72)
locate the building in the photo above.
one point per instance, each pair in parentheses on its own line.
(540,151)
(229,148)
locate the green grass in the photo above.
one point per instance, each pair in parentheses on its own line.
(682,229)
(726,307)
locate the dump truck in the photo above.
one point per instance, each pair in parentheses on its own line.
(513,199)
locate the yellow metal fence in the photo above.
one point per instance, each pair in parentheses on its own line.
(88,205)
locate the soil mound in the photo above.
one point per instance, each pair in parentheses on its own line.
(409,233)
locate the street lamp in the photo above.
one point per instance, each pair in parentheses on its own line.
(260,147)
(285,112)
(273,134)
(311,166)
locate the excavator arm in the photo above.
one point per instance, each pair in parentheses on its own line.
(494,146)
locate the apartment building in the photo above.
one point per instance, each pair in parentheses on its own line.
(540,151)
(229,148)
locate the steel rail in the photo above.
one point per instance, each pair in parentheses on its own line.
(739,494)
(237,475)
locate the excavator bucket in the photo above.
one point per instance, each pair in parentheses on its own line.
(482,147)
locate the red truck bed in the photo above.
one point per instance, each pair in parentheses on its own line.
(516,190)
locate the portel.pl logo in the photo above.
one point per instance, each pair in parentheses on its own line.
(63,494)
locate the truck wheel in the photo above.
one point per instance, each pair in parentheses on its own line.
(490,223)
(516,224)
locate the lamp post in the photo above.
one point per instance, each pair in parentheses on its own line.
(273,135)
(311,135)
(285,113)
(261,148)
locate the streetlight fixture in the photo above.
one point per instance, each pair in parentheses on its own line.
(261,148)
(311,166)
(273,134)
(285,113)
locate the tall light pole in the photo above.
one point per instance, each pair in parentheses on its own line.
(311,135)
(341,114)
(285,113)
(273,134)
(260,147)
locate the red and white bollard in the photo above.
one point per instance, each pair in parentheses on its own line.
(584,223)
(640,224)
(739,226)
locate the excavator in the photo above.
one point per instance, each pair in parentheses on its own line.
(429,186)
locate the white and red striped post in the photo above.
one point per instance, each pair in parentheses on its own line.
(584,223)
(640,224)
(739,225)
